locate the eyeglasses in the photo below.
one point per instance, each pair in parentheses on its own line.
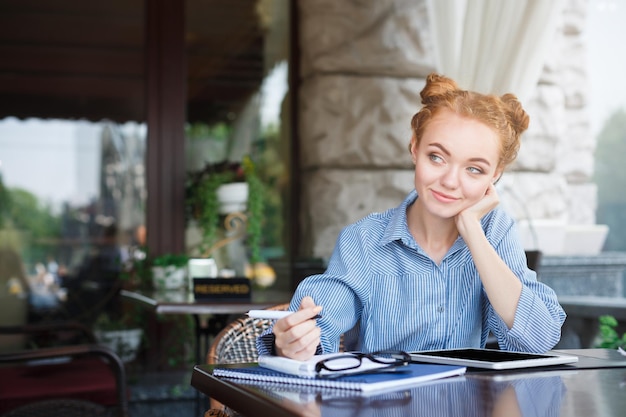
(358,362)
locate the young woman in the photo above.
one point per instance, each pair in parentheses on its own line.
(444,267)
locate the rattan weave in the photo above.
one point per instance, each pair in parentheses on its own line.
(236,343)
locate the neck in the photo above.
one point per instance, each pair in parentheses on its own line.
(434,234)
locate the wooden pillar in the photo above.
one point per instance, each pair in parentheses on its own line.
(165,114)
(295,166)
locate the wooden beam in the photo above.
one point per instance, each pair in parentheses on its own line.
(24,106)
(292,222)
(68,86)
(42,25)
(72,60)
(165,104)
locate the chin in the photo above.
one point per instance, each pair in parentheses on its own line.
(445,213)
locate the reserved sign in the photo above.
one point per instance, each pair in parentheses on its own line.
(222,289)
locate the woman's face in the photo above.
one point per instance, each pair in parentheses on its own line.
(455,162)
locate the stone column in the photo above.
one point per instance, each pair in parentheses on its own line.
(363,65)
(551,181)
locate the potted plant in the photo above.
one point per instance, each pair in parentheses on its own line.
(122,335)
(609,337)
(169,271)
(209,204)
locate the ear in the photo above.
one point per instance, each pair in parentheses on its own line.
(413,149)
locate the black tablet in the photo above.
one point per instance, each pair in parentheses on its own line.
(492,358)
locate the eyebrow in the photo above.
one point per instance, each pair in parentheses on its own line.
(445,151)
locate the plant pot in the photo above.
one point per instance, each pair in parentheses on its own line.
(584,239)
(232,197)
(169,277)
(123,342)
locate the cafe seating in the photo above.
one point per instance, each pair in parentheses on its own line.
(533,259)
(71,375)
(236,343)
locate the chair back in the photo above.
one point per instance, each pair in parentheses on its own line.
(533,259)
(236,343)
(77,377)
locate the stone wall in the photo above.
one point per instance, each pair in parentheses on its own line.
(552,174)
(363,65)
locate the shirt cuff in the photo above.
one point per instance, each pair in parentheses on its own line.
(265,344)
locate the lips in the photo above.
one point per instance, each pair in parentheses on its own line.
(444,198)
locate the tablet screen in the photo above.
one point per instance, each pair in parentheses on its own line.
(484,355)
(491,358)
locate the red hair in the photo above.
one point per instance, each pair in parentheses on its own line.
(504,115)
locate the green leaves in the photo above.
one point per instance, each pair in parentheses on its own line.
(171,259)
(255,210)
(609,338)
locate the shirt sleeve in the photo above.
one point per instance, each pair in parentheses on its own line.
(539,316)
(340,291)
(265,343)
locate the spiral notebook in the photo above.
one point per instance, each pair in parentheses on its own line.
(405,376)
(307,369)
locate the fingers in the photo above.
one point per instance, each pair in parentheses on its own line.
(492,199)
(492,192)
(300,342)
(307,311)
(307,302)
(471,216)
(297,335)
(487,203)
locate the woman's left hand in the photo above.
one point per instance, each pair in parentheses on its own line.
(474,213)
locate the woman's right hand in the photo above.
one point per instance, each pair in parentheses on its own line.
(297,335)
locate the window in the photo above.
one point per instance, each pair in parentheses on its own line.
(607,66)
(73,198)
(71,188)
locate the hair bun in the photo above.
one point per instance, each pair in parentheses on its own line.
(518,118)
(437,86)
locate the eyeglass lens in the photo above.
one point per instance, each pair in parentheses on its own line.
(351,361)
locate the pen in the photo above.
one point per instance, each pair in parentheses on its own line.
(272,314)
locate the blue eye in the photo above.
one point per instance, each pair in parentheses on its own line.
(475,170)
(435,158)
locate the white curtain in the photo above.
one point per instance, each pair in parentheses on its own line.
(493,46)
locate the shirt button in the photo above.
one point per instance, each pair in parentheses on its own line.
(440,309)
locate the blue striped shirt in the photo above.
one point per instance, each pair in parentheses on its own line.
(384,287)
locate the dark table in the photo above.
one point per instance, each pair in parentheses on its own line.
(594,387)
(220,312)
(183,302)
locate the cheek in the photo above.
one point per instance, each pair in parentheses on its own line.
(475,190)
(424,175)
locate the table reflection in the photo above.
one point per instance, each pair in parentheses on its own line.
(469,396)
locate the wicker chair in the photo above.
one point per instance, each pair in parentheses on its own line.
(236,343)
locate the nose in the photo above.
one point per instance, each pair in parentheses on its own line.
(450,178)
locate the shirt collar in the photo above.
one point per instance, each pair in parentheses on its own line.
(398,228)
